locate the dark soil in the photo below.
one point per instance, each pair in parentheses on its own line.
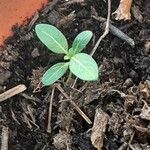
(122,92)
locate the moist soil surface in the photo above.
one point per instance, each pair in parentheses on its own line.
(121,96)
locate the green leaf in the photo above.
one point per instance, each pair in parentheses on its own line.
(81,40)
(54,73)
(52,38)
(84,67)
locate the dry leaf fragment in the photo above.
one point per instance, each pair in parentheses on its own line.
(123,11)
(145,112)
(145,88)
(99,128)
(62,140)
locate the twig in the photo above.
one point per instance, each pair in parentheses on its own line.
(4,138)
(101,37)
(34,99)
(32,22)
(71,2)
(69,78)
(12,92)
(73,103)
(106,29)
(74,83)
(115,31)
(50,111)
(130,141)
(81,112)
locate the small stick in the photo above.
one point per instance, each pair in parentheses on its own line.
(130,141)
(115,31)
(106,29)
(73,103)
(101,37)
(4,138)
(12,92)
(81,112)
(73,2)
(69,78)
(50,111)
(74,83)
(32,22)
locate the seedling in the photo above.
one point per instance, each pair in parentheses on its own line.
(80,64)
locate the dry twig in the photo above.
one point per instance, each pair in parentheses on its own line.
(101,37)
(106,29)
(50,111)
(74,104)
(4,138)
(12,92)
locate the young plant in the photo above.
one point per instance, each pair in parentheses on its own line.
(80,64)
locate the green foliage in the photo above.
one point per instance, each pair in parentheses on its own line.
(81,40)
(52,38)
(80,64)
(84,67)
(54,73)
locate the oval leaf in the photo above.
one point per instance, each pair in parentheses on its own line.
(54,73)
(52,38)
(84,67)
(81,40)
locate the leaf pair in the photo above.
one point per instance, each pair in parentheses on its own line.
(82,65)
(56,41)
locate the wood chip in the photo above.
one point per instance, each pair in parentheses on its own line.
(99,128)
(12,92)
(4,138)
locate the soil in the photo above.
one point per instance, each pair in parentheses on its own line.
(122,93)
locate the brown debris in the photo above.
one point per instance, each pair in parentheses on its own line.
(51,97)
(32,22)
(115,122)
(65,21)
(136,93)
(123,11)
(142,129)
(35,53)
(4,138)
(71,2)
(147,47)
(99,128)
(36,79)
(145,112)
(145,88)
(62,141)
(12,92)
(137,13)
(54,16)
(115,31)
